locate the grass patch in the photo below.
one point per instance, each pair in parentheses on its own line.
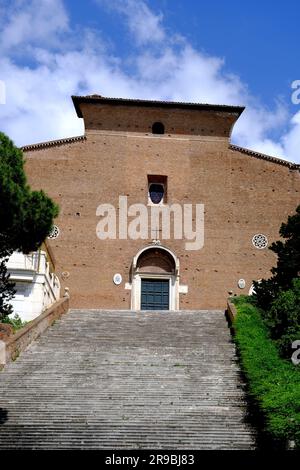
(273,382)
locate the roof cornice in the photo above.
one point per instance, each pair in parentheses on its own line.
(53,143)
(262,156)
(98,99)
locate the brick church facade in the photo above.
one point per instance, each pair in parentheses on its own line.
(178,153)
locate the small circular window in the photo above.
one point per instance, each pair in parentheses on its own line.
(156,192)
(260,241)
(54,233)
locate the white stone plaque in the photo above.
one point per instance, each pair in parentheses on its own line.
(117,279)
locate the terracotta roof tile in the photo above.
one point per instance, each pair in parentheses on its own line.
(53,143)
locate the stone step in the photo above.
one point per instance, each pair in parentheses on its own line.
(103,379)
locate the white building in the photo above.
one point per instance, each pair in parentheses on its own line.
(36,284)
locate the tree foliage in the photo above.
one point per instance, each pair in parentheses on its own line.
(288,252)
(26,216)
(288,263)
(283,318)
(279,296)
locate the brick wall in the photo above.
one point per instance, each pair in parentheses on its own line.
(243,196)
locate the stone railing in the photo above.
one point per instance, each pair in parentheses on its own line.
(231,311)
(11,345)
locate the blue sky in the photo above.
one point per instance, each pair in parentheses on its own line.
(258,39)
(225,52)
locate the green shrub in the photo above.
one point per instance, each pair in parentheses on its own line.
(16,322)
(283,318)
(266,291)
(274,383)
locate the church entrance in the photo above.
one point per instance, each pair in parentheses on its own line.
(155,294)
(155,279)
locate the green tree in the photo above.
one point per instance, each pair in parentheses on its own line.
(288,252)
(288,263)
(26,216)
(283,318)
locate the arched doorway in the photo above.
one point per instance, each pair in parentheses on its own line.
(155,279)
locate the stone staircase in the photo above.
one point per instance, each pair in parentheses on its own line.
(127,380)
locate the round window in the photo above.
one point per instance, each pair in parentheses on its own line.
(54,233)
(260,241)
(156,193)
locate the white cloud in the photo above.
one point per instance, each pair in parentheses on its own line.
(291,140)
(30,22)
(145,26)
(61,63)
